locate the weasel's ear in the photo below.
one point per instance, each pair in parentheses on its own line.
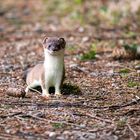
(44,40)
(62,41)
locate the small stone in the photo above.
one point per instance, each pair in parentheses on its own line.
(137,67)
(111,71)
(1,28)
(92,136)
(85,39)
(53,28)
(11,15)
(81,29)
(121,42)
(71,38)
(94,74)
(52,135)
(73,65)
(138,50)
(98,56)
(138,71)
(82,126)
(66,133)
(7,131)
(60,138)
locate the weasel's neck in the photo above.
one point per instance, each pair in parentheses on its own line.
(53,61)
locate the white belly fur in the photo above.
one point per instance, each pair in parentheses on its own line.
(35,84)
(53,76)
(53,70)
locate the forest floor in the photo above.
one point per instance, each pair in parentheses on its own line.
(101,96)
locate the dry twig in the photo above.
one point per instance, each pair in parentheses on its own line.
(132,130)
(94,117)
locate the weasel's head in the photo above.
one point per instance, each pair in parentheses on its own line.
(54,45)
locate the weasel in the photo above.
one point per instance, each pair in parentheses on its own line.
(51,72)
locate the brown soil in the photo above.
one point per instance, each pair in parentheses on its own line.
(101,100)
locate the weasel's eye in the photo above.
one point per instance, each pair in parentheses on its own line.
(49,46)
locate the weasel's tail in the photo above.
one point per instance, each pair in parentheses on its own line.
(25,73)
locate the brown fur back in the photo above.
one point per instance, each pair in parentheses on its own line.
(35,73)
(38,73)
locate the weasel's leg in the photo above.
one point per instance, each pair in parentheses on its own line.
(32,85)
(45,91)
(57,90)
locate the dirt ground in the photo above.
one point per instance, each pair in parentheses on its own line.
(101,96)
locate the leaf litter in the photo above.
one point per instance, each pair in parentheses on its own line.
(101,94)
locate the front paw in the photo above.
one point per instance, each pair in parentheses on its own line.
(58,94)
(45,95)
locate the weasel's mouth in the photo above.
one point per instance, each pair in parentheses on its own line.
(53,52)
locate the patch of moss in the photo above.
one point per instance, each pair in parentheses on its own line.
(76,15)
(78,1)
(131,47)
(121,123)
(124,71)
(67,88)
(131,34)
(88,56)
(5,106)
(58,125)
(63,7)
(116,17)
(1,37)
(91,54)
(104,8)
(113,45)
(133,84)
